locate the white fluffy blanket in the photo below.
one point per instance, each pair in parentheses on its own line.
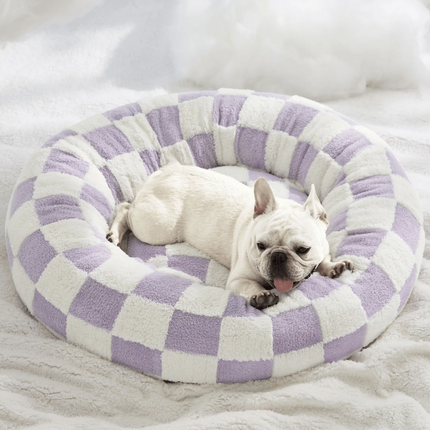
(59,76)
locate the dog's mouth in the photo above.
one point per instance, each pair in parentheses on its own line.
(286,285)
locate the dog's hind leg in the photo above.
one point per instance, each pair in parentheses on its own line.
(120,224)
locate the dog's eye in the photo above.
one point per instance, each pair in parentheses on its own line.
(302,250)
(261,246)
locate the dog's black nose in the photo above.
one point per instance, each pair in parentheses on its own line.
(278,258)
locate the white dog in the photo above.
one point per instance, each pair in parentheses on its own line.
(266,242)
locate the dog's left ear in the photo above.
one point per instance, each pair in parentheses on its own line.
(265,201)
(314,206)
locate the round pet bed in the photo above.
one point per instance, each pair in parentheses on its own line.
(167,317)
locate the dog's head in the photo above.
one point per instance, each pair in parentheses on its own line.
(288,239)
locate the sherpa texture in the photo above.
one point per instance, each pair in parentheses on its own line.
(164,322)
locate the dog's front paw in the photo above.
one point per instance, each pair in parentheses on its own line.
(264,300)
(339,267)
(111,236)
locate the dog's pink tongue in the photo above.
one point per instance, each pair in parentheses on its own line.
(283,285)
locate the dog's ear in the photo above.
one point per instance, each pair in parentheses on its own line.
(314,206)
(265,201)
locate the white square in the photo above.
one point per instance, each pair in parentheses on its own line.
(217,275)
(280,149)
(120,272)
(60,282)
(238,337)
(323,128)
(179,152)
(34,165)
(239,173)
(335,239)
(90,124)
(371,213)
(278,188)
(52,183)
(23,223)
(370,161)
(295,361)
(143,321)
(156,102)
(191,368)
(195,116)
(139,132)
(395,258)
(224,138)
(81,148)
(203,300)
(340,313)
(183,248)
(260,113)
(69,234)
(96,179)
(407,196)
(23,284)
(87,336)
(159,261)
(129,171)
(371,136)
(307,102)
(92,216)
(337,200)
(235,92)
(379,322)
(323,173)
(287,302)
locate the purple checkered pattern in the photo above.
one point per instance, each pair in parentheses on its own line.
(147,303)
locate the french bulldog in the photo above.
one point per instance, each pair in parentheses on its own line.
(269,244)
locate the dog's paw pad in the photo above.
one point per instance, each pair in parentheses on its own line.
(264,300)
(340,267)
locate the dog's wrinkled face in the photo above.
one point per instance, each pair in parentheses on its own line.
(288,240)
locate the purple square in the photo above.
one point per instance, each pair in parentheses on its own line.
(56,208)
(238,306)
(166,125)
(293,118)
(346,145)
(112,184)
(88,258)
(49,314)
(396,167)
(373,186)
(227,109)
(303,157)
(297,195)
(203,149)
(63,162)
(185,97)
(35,254)
(123,111)
(97,304)
(53,140)
(318,286)
(151,160)
(194,266)
(344,346)
(255,174)
(407,227)
(374,289)
(406,290)
(142,250)
(136,356)
(250,147)
(22,194)
(192,333)
(338,223)
(363,243)
(296,329)
(97,199)
(340,180)
(109,141)
(242,371)
(162,288)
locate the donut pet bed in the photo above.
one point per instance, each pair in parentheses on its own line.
(160,309)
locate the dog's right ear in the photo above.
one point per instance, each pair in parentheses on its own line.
(265,201)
